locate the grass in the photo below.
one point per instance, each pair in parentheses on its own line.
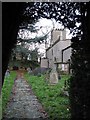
(0,107)
(54,102)
(7,88)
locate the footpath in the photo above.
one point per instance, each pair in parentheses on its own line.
(23,103)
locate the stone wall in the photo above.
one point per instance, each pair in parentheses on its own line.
(54,53)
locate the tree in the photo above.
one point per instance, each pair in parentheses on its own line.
(11,19)
(79,86)
(68,14)
(20,50)
(34,54)
(24,53)
(24,32)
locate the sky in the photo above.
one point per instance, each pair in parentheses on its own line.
(47,25)
(44,26)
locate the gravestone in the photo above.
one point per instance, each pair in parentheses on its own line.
(54,75)
(29,70)
(7,73)
(39,71)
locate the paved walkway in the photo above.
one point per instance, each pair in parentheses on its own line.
(23,103)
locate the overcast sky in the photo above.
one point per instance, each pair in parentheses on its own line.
(44,25)
(47,25)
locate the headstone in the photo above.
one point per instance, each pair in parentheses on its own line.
(54,76)
(29,70)
(7,73)
(40,71)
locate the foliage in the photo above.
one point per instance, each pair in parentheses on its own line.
(67,13)
(0,107)
(29,27)
(29,63)
(80,84)
(51,97)
(34,54)
(36,39)
(7,88)
(22,52)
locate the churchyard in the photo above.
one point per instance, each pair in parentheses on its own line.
(7,90)
(52,97)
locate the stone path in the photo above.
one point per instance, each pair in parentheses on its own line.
(23,103)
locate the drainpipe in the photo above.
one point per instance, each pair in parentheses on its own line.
(62,56)
(64,50)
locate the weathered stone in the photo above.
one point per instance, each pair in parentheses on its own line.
(23,104)
(53,78)
(7,73)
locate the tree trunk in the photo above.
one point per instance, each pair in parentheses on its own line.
(11,18)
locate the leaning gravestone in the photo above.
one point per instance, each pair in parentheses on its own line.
(54,76)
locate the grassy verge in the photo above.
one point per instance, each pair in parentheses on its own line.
(7,88)
(0,107)
(55,104)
